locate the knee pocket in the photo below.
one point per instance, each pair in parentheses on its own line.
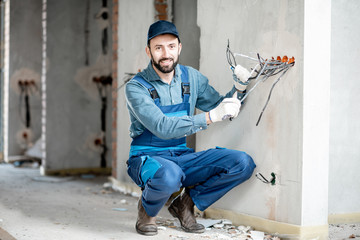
(149,169)
(170,178)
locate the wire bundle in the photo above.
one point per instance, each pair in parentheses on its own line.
(263,70)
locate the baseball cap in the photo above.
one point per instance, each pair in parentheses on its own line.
(162,27)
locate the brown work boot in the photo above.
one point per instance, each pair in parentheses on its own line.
(145,224)
(182,208)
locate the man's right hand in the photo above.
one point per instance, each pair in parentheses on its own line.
(228,108)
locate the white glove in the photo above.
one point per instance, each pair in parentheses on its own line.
(228,108)
(241,76)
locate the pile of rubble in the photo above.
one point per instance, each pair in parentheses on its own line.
(217,229)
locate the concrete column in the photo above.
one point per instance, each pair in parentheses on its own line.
(316,108)
(292,139)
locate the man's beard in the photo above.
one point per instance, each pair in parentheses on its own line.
(165,69)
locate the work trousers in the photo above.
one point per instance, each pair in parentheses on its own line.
(210,175)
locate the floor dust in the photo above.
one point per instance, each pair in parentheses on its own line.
(42,208)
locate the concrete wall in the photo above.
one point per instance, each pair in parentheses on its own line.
(344,194)
(270,28)
(134,19)
(73,103)
(189,31)
(24,63)
(316,112)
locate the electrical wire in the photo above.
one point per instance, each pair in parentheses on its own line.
(230,56)
(269,96)
(87,33)
(267,68)
(264,180)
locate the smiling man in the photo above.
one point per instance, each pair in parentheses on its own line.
(161,101)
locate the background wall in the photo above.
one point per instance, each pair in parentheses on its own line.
(24,64)
(271,29)
(344,195)
(73,120)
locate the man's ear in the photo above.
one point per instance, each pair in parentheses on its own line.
(147,50)
(180,47)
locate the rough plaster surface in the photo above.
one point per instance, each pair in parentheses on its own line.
(344,194)
(271,29)
(25,63)
(84,76)
(73,105)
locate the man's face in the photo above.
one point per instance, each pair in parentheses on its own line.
(164,51)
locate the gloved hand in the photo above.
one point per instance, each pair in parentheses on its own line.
(241,76)
(228,108)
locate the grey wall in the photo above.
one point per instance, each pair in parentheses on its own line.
(189,31)
(73,104)
(270,28)
(134,19)
(344,194)
(25,62)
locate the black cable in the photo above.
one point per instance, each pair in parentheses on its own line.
(103,113)
(268,99)
(87,33)
(27,110)
(104,41)
(230,56)
(101,84)
(103,129)
(20,103)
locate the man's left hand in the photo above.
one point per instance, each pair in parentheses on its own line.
(241,76)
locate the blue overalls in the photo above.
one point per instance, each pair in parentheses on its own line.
(161,167)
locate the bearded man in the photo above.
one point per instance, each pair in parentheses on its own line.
(161,101)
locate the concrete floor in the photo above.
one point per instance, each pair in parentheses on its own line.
(36,207)
(42,208)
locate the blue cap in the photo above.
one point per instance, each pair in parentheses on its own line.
(162,27)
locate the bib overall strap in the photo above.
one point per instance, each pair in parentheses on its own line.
(153,93)
(185,85)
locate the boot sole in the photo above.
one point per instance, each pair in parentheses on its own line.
(173,213)
(146,233)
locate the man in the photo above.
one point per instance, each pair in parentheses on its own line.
(161,101)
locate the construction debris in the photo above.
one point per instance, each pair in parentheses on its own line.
(217,229)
